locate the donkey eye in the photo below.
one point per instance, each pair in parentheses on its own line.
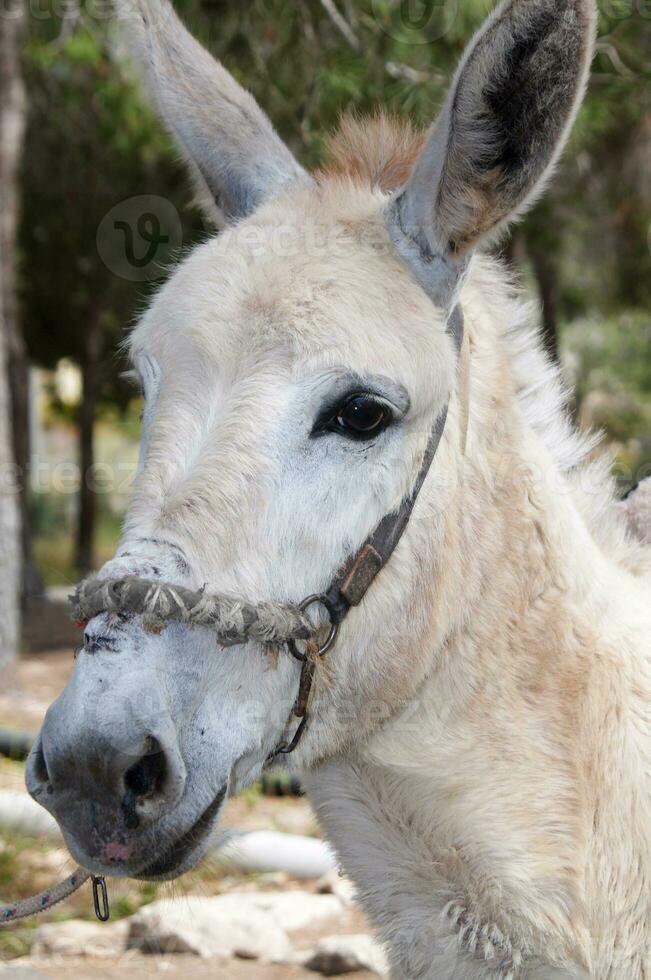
(363,415)
(360,416)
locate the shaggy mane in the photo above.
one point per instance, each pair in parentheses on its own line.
(544,399)
(379,150)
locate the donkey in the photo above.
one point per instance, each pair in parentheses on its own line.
(479,745)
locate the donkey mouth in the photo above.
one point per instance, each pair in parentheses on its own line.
(187,849)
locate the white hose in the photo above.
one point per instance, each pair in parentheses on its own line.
(22,815)
(264,850)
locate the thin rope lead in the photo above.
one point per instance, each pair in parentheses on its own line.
(45,900)
(232,620)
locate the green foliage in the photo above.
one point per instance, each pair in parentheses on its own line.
(16,942)
(53,542)
(624,342)
(251,795)
(16,883)
(612,368)
(90,145)
(127,905)
(597,214)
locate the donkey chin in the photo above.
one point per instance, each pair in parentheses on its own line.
(154,853)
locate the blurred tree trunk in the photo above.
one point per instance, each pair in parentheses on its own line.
(545,270)
(543,244)
(32,583)
(11,133)
(87,409)
(535,244)
(515,252)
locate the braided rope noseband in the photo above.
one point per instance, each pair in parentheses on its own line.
(232,620)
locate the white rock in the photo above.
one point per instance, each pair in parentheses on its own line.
(251,925)
(225,926)
(78,938)
(297,909)
(336,955)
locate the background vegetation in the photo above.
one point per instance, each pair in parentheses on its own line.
(92,145)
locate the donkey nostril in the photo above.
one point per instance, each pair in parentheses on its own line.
(146,778)
(37,775)
(156,780)
(40,766)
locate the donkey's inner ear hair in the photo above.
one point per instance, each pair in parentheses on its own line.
(505,122)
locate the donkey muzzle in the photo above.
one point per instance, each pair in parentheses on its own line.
(107,764)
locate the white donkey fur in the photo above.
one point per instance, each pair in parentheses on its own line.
(479,751)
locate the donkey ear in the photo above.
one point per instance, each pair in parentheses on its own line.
(236,157)
(505,122)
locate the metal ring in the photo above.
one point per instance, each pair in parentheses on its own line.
(100,898)
(313,600)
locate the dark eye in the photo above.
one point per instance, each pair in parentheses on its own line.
(361,416)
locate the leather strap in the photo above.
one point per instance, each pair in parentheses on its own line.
(356,576)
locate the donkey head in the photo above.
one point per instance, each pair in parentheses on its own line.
(293,368)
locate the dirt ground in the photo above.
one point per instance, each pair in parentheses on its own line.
(39,678)
(138,967)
